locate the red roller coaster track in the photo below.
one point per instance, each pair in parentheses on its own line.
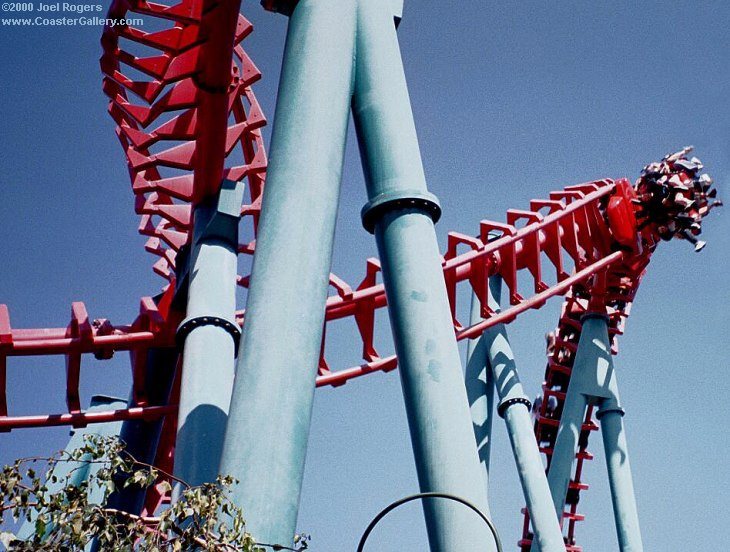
(187,118)
(574,232)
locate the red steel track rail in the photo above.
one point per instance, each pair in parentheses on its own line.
(574,234)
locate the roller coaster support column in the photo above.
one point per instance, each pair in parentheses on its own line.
(401,213)
(268,427)
(210,336)
(593,381)
(77,471)
(610,415)
(480,392)
(141,437)
(514,407)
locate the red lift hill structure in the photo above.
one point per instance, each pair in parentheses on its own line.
(205,373)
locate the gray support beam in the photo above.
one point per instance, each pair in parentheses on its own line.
(77,472)
(480,392)
(401,213)
(210,334)
(268,427)
(514,407)
(593,381)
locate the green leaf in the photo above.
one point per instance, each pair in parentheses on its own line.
(40,526)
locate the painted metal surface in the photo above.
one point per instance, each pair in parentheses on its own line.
(268,427)
(198,97)
(480,392)
(430,367)
(514,408)
(185,111)
(77,472)
(593,382)
(574,220)
(142,436)
(610,416)
(208,350)
(620,480)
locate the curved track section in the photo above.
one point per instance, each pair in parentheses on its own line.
(669,200)
(539,253)
(185,112)
(572,239)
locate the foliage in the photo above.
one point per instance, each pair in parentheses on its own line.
(68,511)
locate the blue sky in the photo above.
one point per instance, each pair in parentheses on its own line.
(511,100)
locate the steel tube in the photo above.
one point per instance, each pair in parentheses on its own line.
(513,408)
(566,444)
(142,436)
(610,415)
(620,480)
(480,392)
(571,422)
(592,381)
(78,471)
(86,417)
(268,427)
(430,367)
(208,355)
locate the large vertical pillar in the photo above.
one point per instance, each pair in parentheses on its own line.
(480,392)
(78,471)
(209,334)
(400,213)
(514,407)
(268,426)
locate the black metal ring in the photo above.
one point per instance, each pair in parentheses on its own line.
(504,405)
(418,496)
(601,413)
(189,324)
(375,209)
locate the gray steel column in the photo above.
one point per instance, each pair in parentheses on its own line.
(591,359)
(401,213)
(78,471)
(480,392)
(268,426)
(210,333)
(610,415)
(514,407)
(593,381)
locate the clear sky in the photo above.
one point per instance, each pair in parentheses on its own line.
(511,100)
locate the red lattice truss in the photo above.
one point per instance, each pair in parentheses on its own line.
(186,116)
